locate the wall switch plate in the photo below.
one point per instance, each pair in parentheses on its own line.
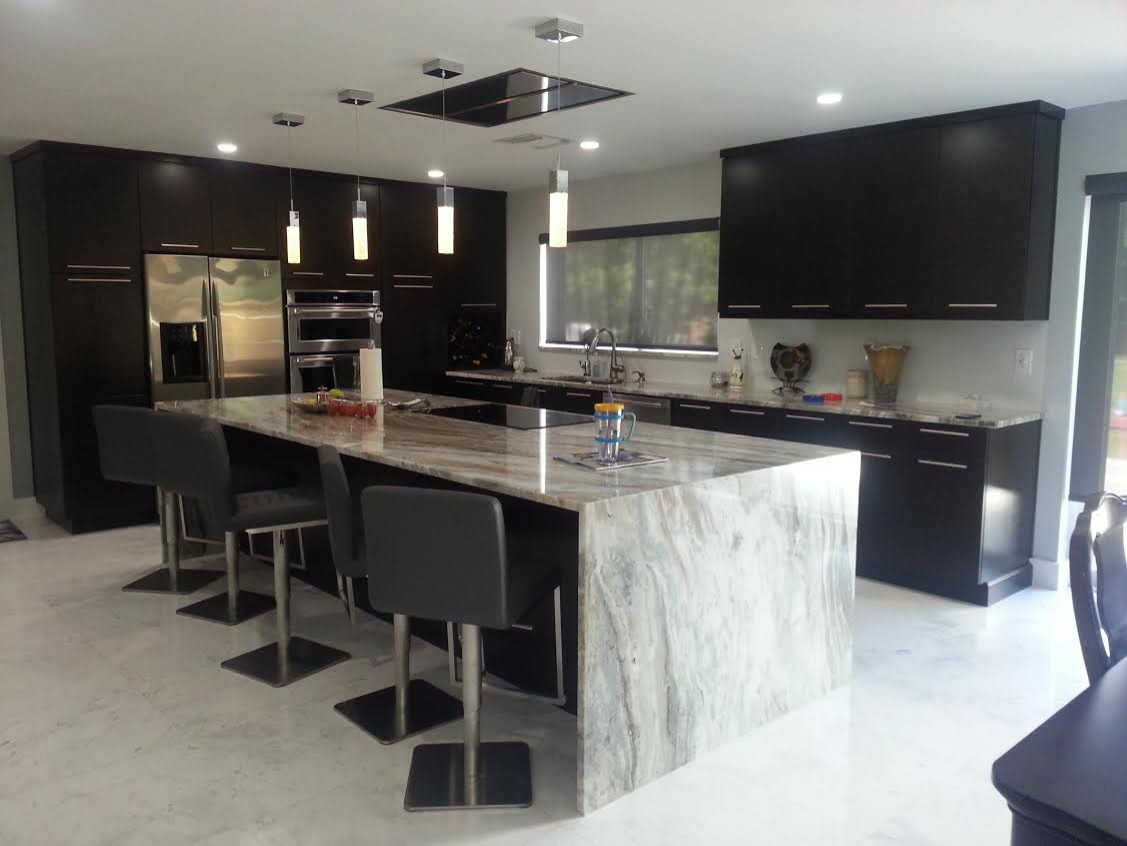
(1023,362)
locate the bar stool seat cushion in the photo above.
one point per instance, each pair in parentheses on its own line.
(283,507)
(251,477)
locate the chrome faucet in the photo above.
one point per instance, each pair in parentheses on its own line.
(591,339)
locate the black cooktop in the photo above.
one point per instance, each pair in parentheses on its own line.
(513,416)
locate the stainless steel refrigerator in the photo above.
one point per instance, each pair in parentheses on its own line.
(215,327)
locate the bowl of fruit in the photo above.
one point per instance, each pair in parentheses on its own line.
(319,402)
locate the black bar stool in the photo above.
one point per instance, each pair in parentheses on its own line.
(412,705)
(126,452)
(442,556)
(197,464)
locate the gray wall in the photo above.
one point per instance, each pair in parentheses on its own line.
(15,446)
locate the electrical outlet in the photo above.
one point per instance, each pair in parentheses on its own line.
(1023,362)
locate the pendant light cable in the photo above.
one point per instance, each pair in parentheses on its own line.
(356,145)
(445,164)
(559,85)
(289,158)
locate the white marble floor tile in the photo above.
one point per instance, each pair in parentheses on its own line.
(117,726)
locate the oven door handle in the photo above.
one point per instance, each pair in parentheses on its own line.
(334,311)
(311,360)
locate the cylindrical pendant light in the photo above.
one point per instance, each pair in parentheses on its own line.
(558,31)
(444,69)
(293,228)
(356,99)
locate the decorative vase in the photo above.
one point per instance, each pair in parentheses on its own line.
(885,360)
(736,376)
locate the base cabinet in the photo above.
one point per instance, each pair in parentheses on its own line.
(944,509)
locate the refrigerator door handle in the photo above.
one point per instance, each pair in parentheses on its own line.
(217,321)
(210,337)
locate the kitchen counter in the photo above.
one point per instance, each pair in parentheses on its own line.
(992,418)
(700,598)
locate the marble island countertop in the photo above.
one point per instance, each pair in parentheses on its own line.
(507,461)
(947,414)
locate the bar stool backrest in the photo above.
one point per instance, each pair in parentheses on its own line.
(125,443)
(338,508)
(438,555)
(1099,598)
(192,459)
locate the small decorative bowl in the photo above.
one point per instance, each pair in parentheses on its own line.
(719,379)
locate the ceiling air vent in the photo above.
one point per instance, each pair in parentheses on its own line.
(537,140)
(505,97)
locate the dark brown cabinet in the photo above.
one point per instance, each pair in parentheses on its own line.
(413,334)
(892,222)
(324,204)
(409,234)
(92,213)
(994,209)
(243,221)
(943,217)
(477,274)
(175,207)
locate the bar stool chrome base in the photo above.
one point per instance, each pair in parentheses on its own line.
(160,581)
(437,780)
(375,713)
(217,609)
(273,666)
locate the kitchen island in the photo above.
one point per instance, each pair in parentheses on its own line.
(708,594)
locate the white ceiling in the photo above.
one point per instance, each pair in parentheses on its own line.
(180,75)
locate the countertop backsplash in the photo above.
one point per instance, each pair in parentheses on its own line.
(948,361)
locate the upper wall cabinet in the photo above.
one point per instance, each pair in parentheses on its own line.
(943,217)
(175,208)
(324,204)
(243,221)
(92,213)
(478,273)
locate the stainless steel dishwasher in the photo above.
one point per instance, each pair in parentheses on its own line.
(648,409)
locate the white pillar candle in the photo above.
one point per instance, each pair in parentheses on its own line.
(371,374)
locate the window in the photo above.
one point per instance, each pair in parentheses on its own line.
(654,286)
(1099,446)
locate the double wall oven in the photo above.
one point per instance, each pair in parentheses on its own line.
(326,329)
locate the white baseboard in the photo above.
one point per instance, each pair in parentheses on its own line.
(1052,575)
(21,509)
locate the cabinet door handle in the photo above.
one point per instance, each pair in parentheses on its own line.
(810,417)
(502,387)
(870,425)
(464,382)
(877,455)
(644,404)
(584,395)
(307,273)
(946,464)
(360,275)
(742,306)
(972,305)
(411,276)
(946,432)
(422,287)
(696,407)
(99,267)
(185,246)
(477,305)
(249,249)
(747,411)
(811,305)
(541,390)
(114,279)
(886,305)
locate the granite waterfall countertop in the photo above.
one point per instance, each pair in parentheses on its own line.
(514,462)
(946,414)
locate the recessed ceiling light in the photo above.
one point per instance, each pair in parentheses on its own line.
(589,144)
(435,173)
(227,147)
(830,98)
